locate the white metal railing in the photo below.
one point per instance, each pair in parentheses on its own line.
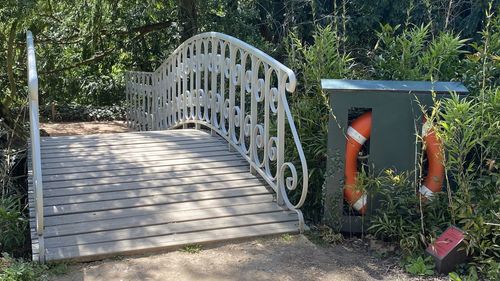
(237,91)
(35,135)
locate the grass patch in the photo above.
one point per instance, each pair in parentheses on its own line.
(287,237)
(21,270)
(192,248)
(59,269)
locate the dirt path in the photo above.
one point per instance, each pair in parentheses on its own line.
(84,128)
(278,258)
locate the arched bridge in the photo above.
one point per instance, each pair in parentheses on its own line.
(216,156)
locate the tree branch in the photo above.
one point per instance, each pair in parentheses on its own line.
(96,57)
(142,30)
(145,29)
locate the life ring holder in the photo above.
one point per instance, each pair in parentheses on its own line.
(359,132)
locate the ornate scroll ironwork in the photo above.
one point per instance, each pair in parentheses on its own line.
(239,92)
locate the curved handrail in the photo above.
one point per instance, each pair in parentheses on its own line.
(237,91)
(35,132)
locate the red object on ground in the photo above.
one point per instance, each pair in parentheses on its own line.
(446,242)
(447,250)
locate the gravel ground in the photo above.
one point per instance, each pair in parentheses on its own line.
(276,258)
(83,128)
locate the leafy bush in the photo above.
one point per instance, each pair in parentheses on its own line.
(21,270)
(420,266)
(482,67)
(321,59)
(13,224)
(13,197)
(413,54)
(400,215)
(469,129)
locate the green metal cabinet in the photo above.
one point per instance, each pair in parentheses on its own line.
(396,120)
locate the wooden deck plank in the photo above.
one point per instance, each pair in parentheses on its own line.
(176,240)
(148,150)
(110,156)
(146,210)
(190,184)
(111,142)
(169,229)
(124,147)
(152,200)
(114,144)
(145,177)
(148,164)
(146,192)
(234,162)
(124,135)
(147,167)
(159,218)
(138,158)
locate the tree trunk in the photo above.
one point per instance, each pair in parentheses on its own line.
(10,58)
(188,18)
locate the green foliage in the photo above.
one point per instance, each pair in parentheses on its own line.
(13,196)
(414,54)
(469,129)
(20,270)
(419,266)
(322,59)
(401,216)
(192,249)
(482,67)
(310,108)
(13,224)
(287,237)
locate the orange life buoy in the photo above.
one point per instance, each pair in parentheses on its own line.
(433,182)
(357,134)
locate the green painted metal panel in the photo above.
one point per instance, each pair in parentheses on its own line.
(397,110)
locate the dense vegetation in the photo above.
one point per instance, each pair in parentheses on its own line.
(84,47)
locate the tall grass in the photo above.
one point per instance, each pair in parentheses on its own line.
(14,236)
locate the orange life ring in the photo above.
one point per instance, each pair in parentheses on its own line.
(433,182)
(359,132)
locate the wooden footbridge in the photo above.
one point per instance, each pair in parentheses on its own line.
(207,163)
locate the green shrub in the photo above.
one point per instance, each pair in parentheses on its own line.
(419,266)
(13,224)
(469,130)
(21,270)
(309,106)
(401,216)
(414,54)
(14,234)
